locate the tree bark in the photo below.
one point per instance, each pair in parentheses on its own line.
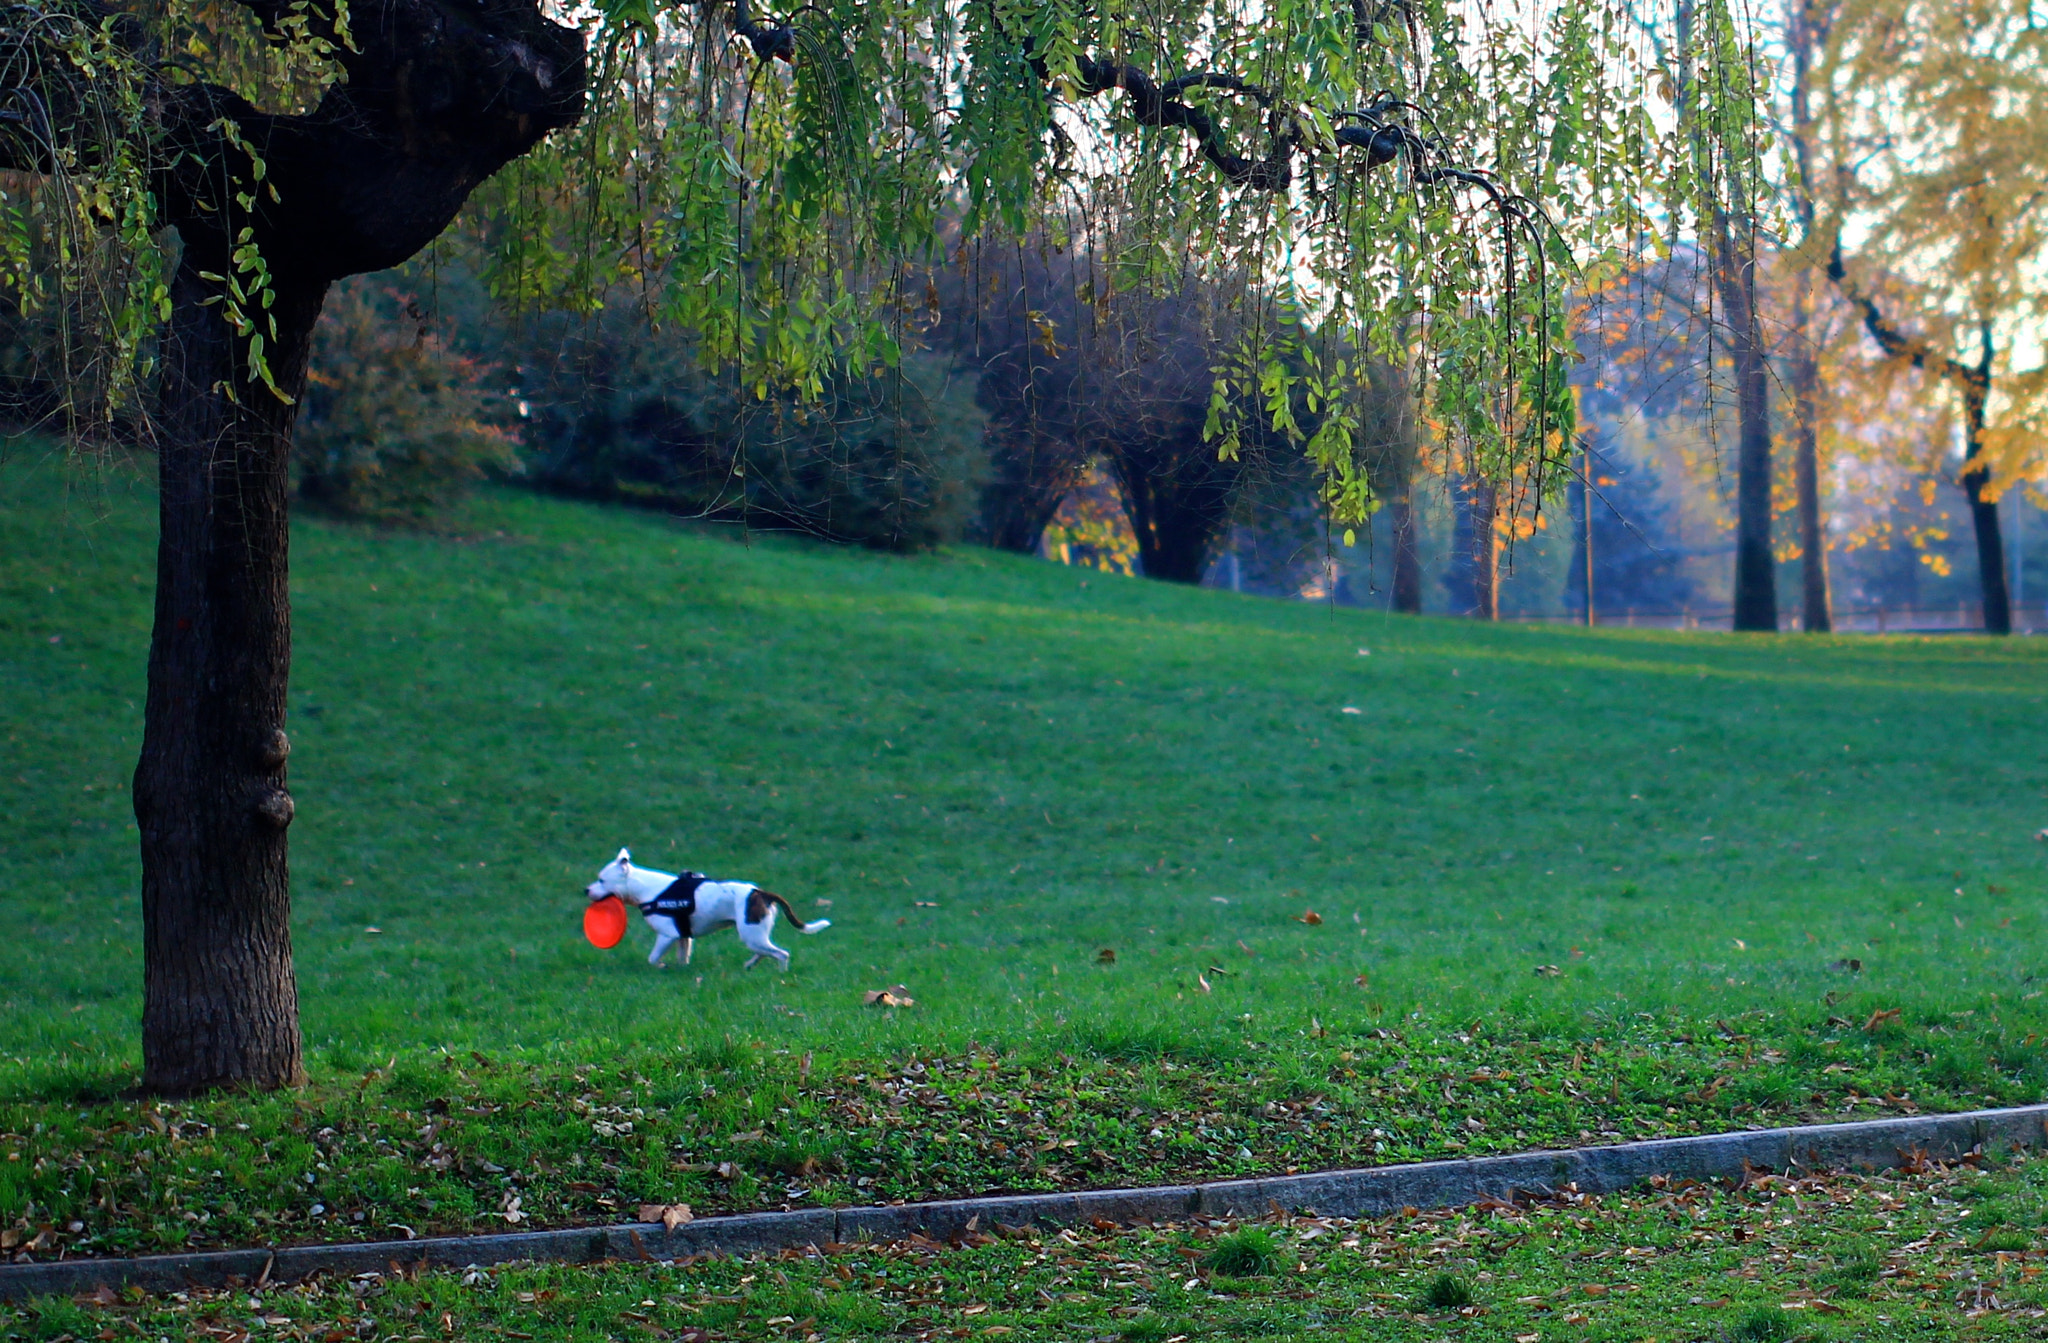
(220,1005)
(439,95)
(1756,592)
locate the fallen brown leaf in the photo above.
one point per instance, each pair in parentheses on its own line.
(1311,918)
(670,1215)
(1880,1017)
(1107,956)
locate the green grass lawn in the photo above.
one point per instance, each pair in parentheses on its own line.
(993,770)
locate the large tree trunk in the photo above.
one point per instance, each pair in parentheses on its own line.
(439,95)
(220,1005)
(1756,592)
(1984,512)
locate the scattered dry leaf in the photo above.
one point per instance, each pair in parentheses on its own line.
(1880,1017)
(1311,918)
(670,1215)
(1107,956)
(1548,971)
(896,995)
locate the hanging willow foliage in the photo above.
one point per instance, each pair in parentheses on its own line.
(1415,181)
(1419,182)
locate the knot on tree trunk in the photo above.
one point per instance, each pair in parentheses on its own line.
(275,749)
(274,806)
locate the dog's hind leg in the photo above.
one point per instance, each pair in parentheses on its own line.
(758,937)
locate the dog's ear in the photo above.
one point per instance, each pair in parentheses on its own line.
(625,857)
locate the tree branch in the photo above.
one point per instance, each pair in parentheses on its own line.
(1897,343)
(1154,104)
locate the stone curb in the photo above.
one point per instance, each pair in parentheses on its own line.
(1868,1145)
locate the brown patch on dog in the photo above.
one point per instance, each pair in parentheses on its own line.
(758,902)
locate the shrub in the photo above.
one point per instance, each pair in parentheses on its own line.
(887,458)
(1247,1253)
(394,424)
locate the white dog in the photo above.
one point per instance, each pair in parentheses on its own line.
(683,908)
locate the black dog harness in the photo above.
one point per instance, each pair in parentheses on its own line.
(678,902)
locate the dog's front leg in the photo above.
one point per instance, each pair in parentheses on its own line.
(689,949)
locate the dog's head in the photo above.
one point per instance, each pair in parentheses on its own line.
(614,878)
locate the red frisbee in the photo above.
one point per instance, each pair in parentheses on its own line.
(604,922)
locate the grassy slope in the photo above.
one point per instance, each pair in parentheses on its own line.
(1692,828)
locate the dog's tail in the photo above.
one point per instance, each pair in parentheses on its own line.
(772,898)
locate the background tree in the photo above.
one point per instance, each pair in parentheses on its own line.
(1011,312)
(1807,26)
(1719,91)
(1948,218)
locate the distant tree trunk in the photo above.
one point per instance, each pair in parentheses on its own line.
(1485,506)
(1756,592)
(1472,580)
(1029,477)
(1178,498)
(1976,474)
(1803,373)
(1407,554)
(1578,578)
(1389,441)
(1805,32)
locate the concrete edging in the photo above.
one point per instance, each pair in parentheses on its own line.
(1866,1145)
